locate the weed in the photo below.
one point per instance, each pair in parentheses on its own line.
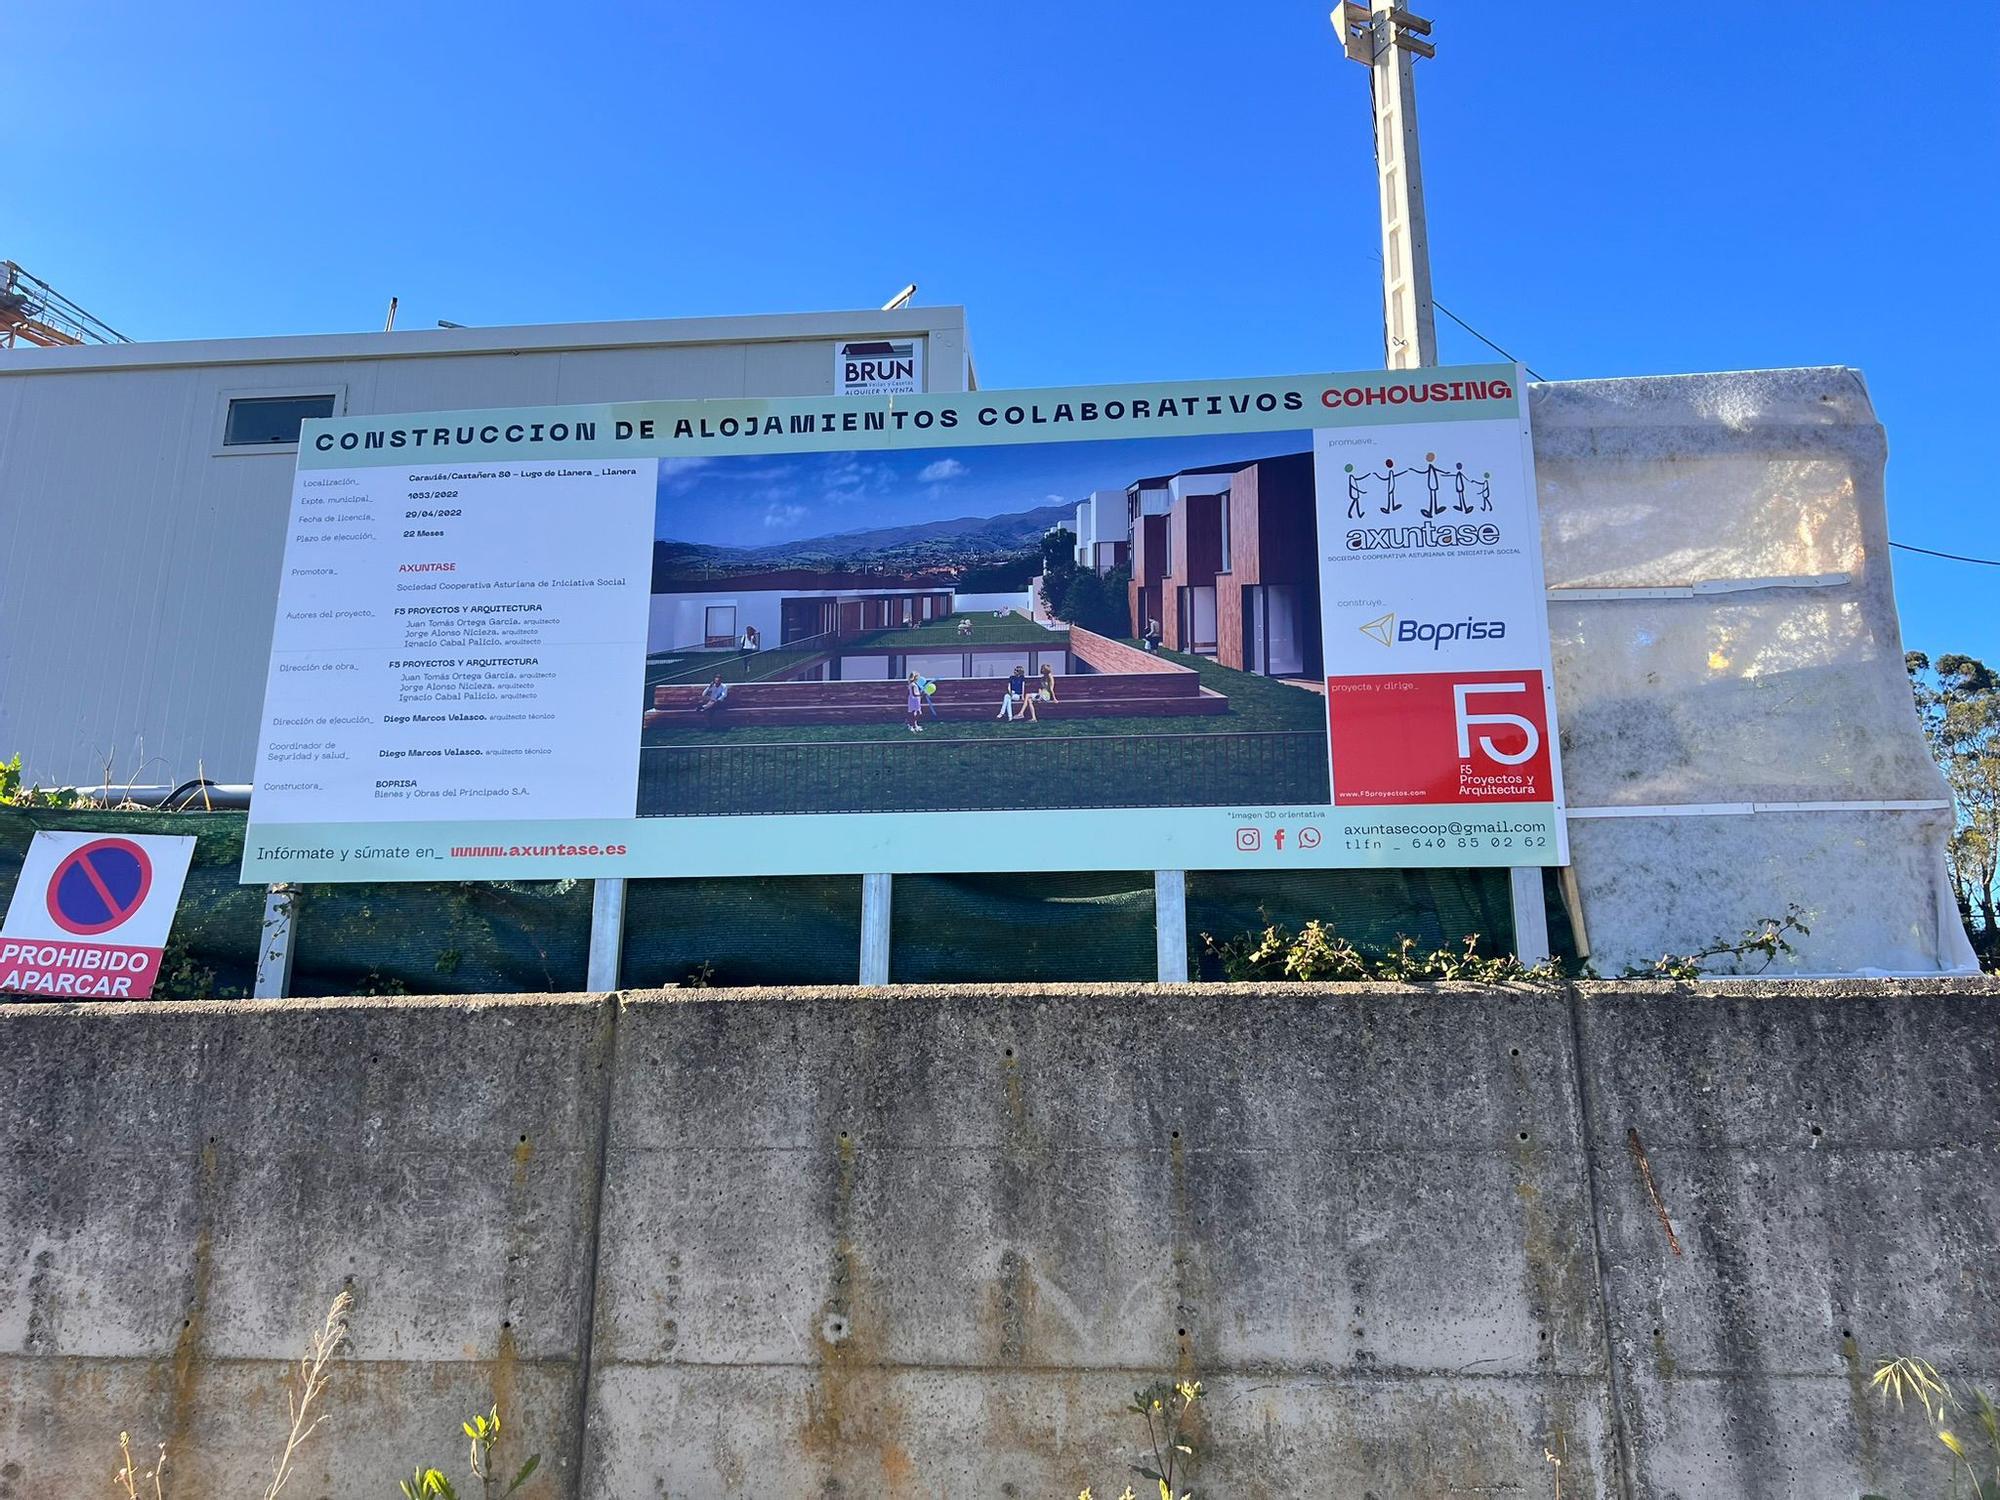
(1910,1379)
(1164,1407)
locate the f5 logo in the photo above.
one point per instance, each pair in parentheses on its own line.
(1460,691)
(1439,738)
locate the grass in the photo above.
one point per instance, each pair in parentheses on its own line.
(1255,704)
(1268,749)
(933,773)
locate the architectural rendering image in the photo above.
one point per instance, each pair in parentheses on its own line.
(924,658)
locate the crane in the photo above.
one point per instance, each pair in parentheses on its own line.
(33,312)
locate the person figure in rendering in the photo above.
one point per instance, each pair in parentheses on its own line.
(1048,689)
(751,641)
(913,702)
(927,694)
(1015,703)
(965,627)
(713,696)
(1150,638)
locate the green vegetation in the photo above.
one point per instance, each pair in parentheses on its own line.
(1000,577)
(1081,595)
(13,794)
(305,1384)
(1166,1406)
(1958,700)
(483,1429)
(1317,952)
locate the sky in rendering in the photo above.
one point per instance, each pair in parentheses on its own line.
(1116,192)
(756,500)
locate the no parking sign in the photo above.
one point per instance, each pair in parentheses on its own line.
(90,917)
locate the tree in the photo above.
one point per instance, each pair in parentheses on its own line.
(1059,569)
(1958,702)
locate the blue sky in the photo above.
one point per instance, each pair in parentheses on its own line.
(755,500)
(1116,191)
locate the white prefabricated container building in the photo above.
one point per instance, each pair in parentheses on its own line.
(145,510)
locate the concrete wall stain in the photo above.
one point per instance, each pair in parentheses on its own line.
(187,1368)
(852,1424)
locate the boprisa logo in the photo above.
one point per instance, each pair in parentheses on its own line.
(1412,538)
(1436,635)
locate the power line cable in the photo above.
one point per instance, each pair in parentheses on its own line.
(1484,339)
(1984,562)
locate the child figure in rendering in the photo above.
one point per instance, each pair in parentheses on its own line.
(913,702)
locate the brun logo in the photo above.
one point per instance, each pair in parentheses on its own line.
(880,360)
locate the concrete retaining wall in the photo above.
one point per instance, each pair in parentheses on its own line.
(920,1242)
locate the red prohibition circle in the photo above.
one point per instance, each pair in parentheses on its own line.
(96,885)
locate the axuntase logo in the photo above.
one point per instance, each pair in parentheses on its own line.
(1430,491)
(1388,630)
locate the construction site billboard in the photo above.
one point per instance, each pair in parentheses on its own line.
(1287,622)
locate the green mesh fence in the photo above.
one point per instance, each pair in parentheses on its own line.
(803,930)
(533,936)
(502,937)
(1055,928)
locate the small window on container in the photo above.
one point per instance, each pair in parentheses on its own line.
(260,421)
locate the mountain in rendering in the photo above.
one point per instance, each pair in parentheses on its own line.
(943,548)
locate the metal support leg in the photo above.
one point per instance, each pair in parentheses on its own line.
(1170,924)
(607,933)
(1531,915)
(274,952)
(875,929)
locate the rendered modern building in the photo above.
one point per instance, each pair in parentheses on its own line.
(152,483)
(1196,551)
(1267,616)
(1193,558)
(1150,562)
(1224,558)
(1103,534)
